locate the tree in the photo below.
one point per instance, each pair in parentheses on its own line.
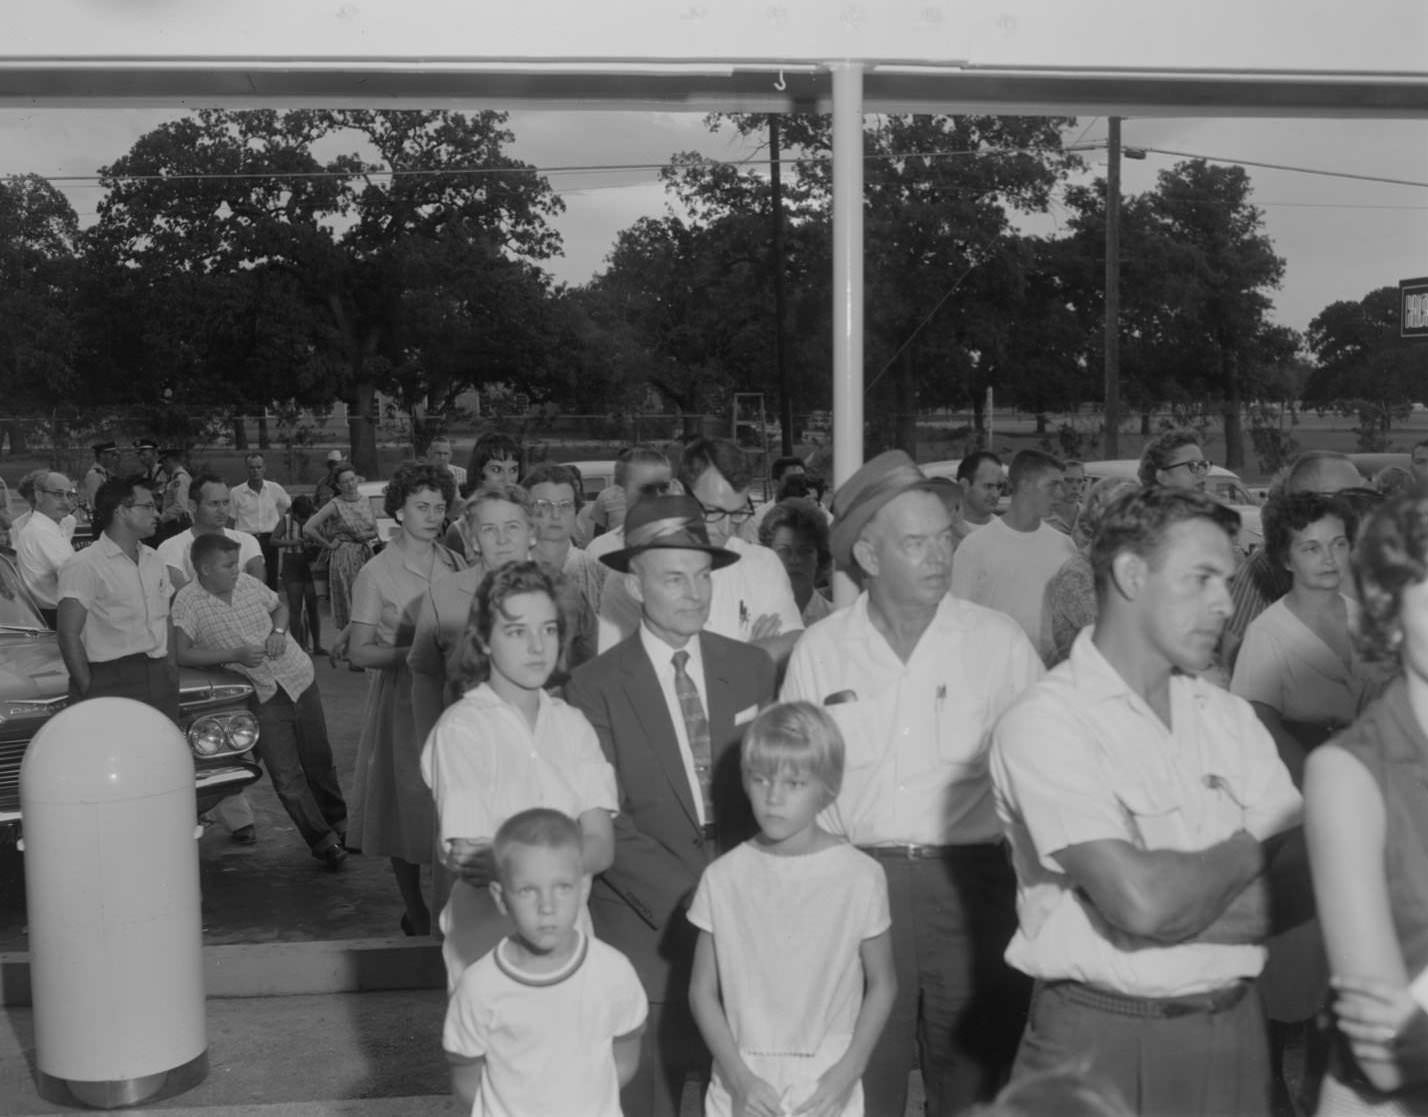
(384,276)
(39,269)
(1363,367)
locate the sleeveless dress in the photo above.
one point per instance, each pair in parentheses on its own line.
(354,529)
(1388,741)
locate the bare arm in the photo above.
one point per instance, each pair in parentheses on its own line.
(879,992)
(626,1049)
(752,1095)
(1346,828)
(1281,898)
(466,1081)
(1162,894)
(69,627)
(598,831)
(190,654)
(257,568)
(779,647)
(364,650)
(311,530)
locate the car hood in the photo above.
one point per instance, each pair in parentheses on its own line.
(31,668)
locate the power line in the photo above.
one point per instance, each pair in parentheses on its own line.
(1318,171)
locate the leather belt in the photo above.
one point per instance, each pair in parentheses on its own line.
(1154,1008)
(909,852)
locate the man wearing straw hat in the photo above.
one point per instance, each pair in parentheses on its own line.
(669,705)
(916,679)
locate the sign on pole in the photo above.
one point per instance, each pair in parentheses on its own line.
(1413,307)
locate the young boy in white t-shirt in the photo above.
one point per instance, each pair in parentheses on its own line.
(548,1023)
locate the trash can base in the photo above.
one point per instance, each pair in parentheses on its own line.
(121,1092)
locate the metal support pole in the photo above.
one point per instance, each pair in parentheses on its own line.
(1113,290)
(847,283)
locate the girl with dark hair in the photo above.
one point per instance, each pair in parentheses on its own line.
(391,809)
(508,745)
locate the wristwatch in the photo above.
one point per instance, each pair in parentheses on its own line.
(279,632)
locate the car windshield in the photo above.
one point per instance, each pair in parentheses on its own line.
(17,610)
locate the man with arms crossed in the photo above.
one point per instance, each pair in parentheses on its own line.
(1144,806)
(916,678)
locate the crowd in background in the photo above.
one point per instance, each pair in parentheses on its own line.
(1034,806)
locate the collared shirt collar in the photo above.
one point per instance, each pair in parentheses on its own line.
(952,612)
(1096,679)
(662,655)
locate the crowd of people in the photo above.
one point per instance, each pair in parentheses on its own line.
(1075,807)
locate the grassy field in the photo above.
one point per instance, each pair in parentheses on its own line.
(304,466)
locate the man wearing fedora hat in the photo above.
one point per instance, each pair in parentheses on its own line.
(916,679)
(669,705)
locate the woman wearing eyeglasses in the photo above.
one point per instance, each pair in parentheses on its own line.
(555,502)
(1176,460)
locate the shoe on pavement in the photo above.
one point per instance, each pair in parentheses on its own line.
(245,835)
(331,856)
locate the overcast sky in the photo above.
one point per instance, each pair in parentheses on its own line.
(1341,238)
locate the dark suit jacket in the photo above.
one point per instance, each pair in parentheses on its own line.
(638,904)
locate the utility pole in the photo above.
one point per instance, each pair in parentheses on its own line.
(785,389)
(1113,290)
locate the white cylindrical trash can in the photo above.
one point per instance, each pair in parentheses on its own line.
(111,883)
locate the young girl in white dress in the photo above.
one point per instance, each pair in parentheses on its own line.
(506,746)
(793,973)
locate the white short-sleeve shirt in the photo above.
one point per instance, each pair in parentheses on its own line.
(1008,570)
(259,512)
(41,548)
(546,1038)
(1083,758)
(916,733)
(177,551)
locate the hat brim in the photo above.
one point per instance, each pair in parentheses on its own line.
(620,560)
(846,529)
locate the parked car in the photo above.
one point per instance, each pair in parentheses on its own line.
(594,476)
(218,718)
(1370,465)
(1223,484)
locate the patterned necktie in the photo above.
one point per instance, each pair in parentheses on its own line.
(696,726)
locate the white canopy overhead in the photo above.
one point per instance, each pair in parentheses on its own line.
(1214,57)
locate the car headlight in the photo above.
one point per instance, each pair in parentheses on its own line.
(217,734)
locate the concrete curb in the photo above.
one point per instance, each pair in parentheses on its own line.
(284,969)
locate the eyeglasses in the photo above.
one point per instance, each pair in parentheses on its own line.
(1199,466)
(67,494)
(544,508)
(737,516)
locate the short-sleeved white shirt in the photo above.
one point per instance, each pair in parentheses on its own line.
(1008,570)
(484,763)
(177,551)
(1083,758)
(743,591)
(259,512)
(546,1038)
(41,548)
(787,933)
(916,733)
(126,602)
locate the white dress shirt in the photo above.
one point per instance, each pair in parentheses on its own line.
(662,657)
(1083,758)
(41,548)
(259,512)
(916,734)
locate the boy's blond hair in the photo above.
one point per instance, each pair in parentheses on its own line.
(537,828)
